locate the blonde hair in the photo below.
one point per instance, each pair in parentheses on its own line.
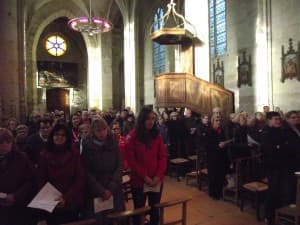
(214,117)
(99,123)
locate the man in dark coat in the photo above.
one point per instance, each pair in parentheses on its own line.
(278,158)
(37,142)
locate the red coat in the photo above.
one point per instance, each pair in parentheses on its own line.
(144,161)
(63,169)
(122,147)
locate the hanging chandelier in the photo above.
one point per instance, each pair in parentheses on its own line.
(91,24)
(173,28)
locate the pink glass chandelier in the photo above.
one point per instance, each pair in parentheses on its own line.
(91,24)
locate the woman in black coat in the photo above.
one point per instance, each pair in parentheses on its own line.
(216,157)
(16,182)
(103,163)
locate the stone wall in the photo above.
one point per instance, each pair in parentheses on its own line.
(261,27)
(12,78)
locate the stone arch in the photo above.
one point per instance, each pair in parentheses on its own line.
(40,19)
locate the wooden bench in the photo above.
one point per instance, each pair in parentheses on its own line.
(163,205)
(126,217)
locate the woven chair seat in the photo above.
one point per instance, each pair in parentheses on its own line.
(256,186)
(178,160)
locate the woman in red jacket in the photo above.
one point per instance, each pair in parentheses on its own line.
(116,130)
(61,166)
(146,156)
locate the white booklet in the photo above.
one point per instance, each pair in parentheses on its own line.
(3,195)
(45,199)
(101,205)
(125,179)
(156,188)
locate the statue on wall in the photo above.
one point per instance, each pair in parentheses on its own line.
(244,70)
(219,73)
(290,62)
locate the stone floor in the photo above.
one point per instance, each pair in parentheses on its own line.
(202,210)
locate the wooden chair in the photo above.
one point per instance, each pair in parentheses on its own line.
(79,222)
(125,217)
(232,193)
(203,171)
(179,165)
(194,174)
(252,187)
(290,214)
(126,185)
(162,206)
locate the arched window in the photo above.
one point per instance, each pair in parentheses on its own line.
(159,51)
(217,27)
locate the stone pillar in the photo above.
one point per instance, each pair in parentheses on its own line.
(263,67)
(127,8)
(12,80)
(194,8)
(95,75)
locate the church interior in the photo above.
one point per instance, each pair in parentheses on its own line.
(112,59)
(117,69)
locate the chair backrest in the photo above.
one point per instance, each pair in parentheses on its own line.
(125,217)
(163,205)
(82,222)
(126,185)
(250,168)
(298,190)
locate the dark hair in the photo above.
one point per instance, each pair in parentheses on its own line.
(45,121)
(115,122)
(290,113)
(140,129)
(57,127)
(272,114)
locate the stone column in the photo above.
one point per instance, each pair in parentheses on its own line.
(127,8)
(95,74)
(263,68)
(12,79)
(194,8)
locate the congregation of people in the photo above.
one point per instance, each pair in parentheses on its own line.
(84,157)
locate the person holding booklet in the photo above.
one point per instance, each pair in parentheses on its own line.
(60,165)
(217,158)
(16,182)
(146,156)
(103,164)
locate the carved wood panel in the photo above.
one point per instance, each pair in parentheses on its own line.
(185,90)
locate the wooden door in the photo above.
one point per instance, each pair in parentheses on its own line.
(58,98)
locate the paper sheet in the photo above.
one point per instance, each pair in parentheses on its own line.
(45,199)
(156,188)
(125,179)
(3,195)
(100,205)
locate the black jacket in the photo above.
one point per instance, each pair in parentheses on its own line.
(277,150)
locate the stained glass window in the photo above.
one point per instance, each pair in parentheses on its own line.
(217,27)
(159,51)
(56,45)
